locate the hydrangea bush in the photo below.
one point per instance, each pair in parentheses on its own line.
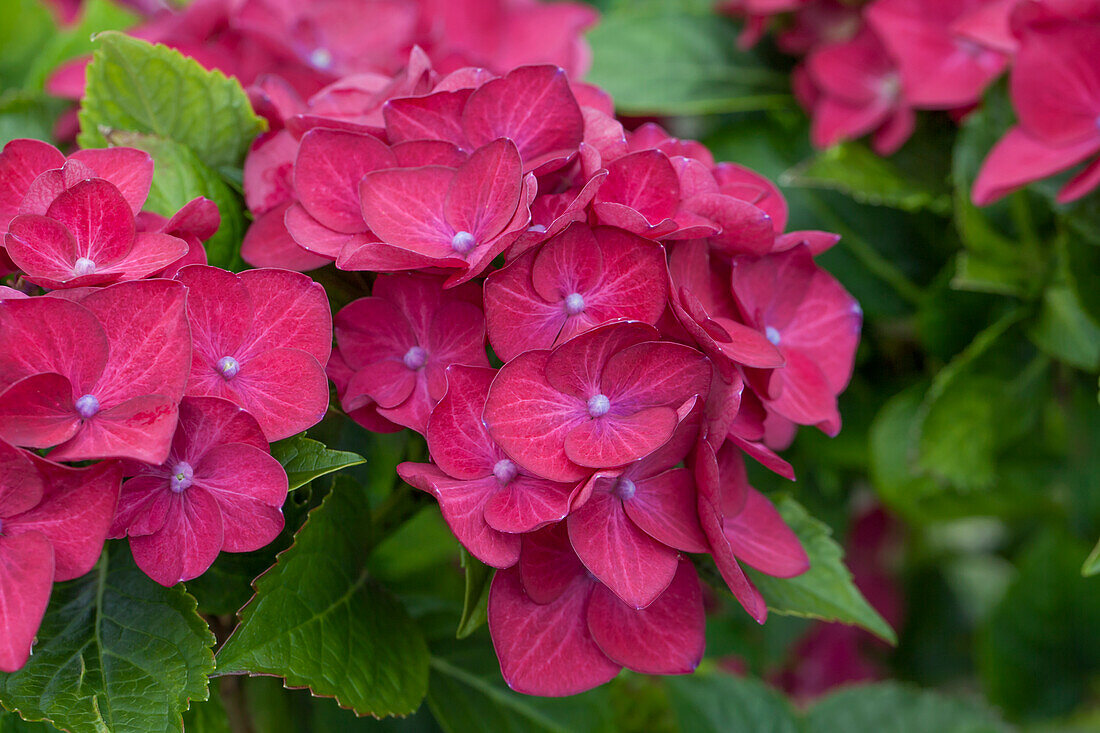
(413,353)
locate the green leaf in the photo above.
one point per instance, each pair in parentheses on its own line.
(854,170)
(138,87)
(1065,331)
(28,114)
(893,434)
(717,703)
(319,621)
(25,25)
(1038,649)
(476,598)
(179,177)
(305,459)
(95,17)
(826,590)
(12,723)
(1092,562)
(1082,273)
(116,652)
(207,717)
(654,61)
(898,708)
(467,701)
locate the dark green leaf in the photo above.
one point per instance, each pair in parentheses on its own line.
(28,114)
(476,597)
(116,652)
(138,87)
(899,709)
(654,61)
(318,620)
(1092,562)
(95,17)
(1065,331)
(207,717)
(1082,272)
(826,590)
(12,723)
(852,169)
(719,703)
(305,459)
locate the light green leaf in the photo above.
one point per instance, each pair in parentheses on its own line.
(854,170)
(179,177)
(25,25)
(138,87)
(898,708)
(826,590)
(28,114)
(95,17)
(1064,331)
(721,703)
(654,61)
(1092,562)
(319,621)
(305,459)
(116,652)
(476,598)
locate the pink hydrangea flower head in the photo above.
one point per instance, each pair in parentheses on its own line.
(579,279)
(558,632)
(219,490)
(100,378)
(939,69)
(604,398)
(486,498)
(53,522)
(813,322)
(399,342)
(457,218)
(261,340)
(195,223)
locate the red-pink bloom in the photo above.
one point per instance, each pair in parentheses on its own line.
(939,70)
(399,342)
(578,280)
(53,521)
(486,498)
(456,218)
(261,340)
(559,632)
(1055,85)
(859,92)
(196,222)
(813,322)
(219,490)
(602,399)
(101,377)
(819,22)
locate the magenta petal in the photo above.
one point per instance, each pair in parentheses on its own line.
(1081,184)
(187,544)
(461,503)
(545,649)
(99,218)
(518,318)
(267,243)
(75,514)
(614,440)
(530,420)
(250,487)
(388,381)
(404,207)
(533,107)
(417,153)
(370,329)
(656,373)
(130,170)
(50,335)
(218,309)
(575,367)
(748,346)
(527,503)
(571,262)
(760,538)
(1018,159)
(804,394)
(42,248)
(38,411)
(21,486)
(485,191)
(645,182)
(547,564)
(435,116)
(327,172)
(152,252)
(20,163)
(286,390)
(142,506)
(207,422)
(26,577)
(636,567)
(666,637)
(664,507)
(288,310)
(139,428)
(458,441)
(746,229)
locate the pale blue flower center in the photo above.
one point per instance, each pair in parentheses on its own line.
(228,367)
(598,405)
(773,334)
(83,266)
(181,477)
(625,488)
(321,58)
(505,470)
(415,358)
(87,406)
(462,242)
(574,303)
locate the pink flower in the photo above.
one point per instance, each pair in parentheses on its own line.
(558,632)
(219,490)
(196,222)
(100,378)
(456,218)
(860,92)
(1055,85)
(813,322)
(580,279)
(602,399)
(939,70)
(399,342)
(261,340)
(486,498)
(53,522)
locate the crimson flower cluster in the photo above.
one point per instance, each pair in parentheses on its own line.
(655,320)
(169,376)
(867,68)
